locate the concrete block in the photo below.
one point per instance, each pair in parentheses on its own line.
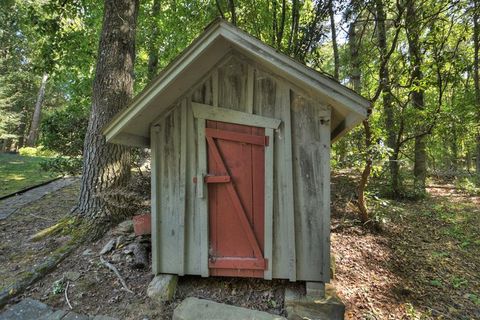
(301,306)
(315,289)
(200,309)
(162,287)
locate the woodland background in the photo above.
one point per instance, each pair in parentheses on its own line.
(417,61)
(405,184)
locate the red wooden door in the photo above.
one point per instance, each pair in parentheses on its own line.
(236,155)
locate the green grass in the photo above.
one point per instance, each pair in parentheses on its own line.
(19,172)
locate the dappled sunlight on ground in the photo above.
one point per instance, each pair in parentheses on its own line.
(19,172)
(424,264)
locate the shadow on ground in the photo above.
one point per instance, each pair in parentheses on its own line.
(424,264)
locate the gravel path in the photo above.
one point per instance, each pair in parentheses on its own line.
(10,205)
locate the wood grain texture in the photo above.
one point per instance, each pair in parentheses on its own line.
(296,162)
(309,185)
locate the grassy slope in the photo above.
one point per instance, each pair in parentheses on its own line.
(19,172)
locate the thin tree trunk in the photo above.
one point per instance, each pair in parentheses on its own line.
(413,32)
(233,14)
(37,113)
(356,84)
(476,79)
(153,48)
(107,166)
(281,27)
(387,98)
(336,57)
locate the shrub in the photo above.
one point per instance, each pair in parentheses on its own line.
(63,130)
(36,152)
(63,165)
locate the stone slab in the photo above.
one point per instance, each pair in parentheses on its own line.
(27,309)
(301,306)
(75,316)
(57,315)
(200,309)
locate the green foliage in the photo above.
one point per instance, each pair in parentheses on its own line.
(39,151)
(63,130)
(58,286)
(63,165)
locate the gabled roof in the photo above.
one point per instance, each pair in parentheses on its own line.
(132,126)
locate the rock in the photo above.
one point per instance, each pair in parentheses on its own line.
(141,256)
(27,309)
(72,275)
(57,315)
(300,306)
(116,257)
(126,227)
(108,247)
(75,316)
(103,318)
(87,252)
(200,309)
(120,241)
(162,287)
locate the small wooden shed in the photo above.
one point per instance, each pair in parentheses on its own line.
(240,139)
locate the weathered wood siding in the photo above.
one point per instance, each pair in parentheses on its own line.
(301,217)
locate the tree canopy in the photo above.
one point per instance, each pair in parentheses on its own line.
(416,62)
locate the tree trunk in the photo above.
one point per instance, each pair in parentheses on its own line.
(417,94)
(37,113)
(387,99)
(356,84)
(107,166)
(476,41)
(336,57)
(233,13)
(153,48)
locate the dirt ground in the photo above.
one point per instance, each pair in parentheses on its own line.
(423,264)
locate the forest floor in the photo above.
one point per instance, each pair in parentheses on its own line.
(423,264)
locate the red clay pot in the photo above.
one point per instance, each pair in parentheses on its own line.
(142,224)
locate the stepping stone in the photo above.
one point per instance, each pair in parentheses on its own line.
(27,309)
(200,309)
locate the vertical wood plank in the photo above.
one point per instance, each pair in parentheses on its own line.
(325,192)
(268,245)
(182,188)
(215,87)
(203,202)
(155,180)
(250,89)
(286,196)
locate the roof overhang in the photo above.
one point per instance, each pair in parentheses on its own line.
(132,126)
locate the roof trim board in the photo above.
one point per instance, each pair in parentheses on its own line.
(227,37)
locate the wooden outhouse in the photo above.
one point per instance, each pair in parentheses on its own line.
(240,139)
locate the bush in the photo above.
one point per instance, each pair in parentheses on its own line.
(36,152)
(63,130)
(63,165)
